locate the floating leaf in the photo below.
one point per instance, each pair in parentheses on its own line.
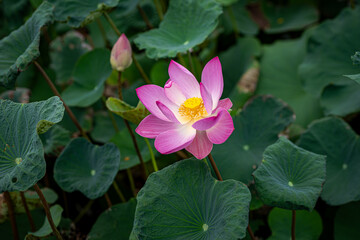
(325,61)
(334,138)
(308,225)
(21,47)
(184,201)
(55,138)
(124,110)
(115,223)
(64,53)
(242,153)
(78,13)
(45,229)
(179,31)
(347,222)
(295,16)
(290,177)
(279,77)
(90,74)
(129,157)
(21,151)
(86,167)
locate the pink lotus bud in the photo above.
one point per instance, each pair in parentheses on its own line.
(121,54)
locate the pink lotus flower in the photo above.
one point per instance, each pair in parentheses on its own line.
(121,54)
(186,114)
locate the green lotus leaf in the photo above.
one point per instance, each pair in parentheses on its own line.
(325,62)
(341,100)
(64,53)
(54,139)
(179,31)
(334,138)
(279,77)
(183,201)
(45,229)
(115,223)
(244,23)
(347,222)
(290,177)
(86,167)
(22,161)
(124,110)
(90,74)
(78,13)
(308,224)
(21,47)
(242,153)
(129,157)
(292,17)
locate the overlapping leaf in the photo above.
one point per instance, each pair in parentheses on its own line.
(180,29)
(90,74)
(290,177)
(21,151)
(79,13)
(257,127)
(21,47)
(334,138)
(124,110)
(183,201)
(86,167)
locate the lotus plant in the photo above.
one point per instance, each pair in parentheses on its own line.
(185,113)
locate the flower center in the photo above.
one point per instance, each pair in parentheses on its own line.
(192,108)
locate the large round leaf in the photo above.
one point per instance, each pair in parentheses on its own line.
(115,223)
(279,77)
(90,74)
(257,127)
(334,138)
(183,201)
(308,225)
(78,12)
(347,222)
(86,167)
(290,177)
(180,29)
(64,53)
(22,161)
(21,47)
(329,50)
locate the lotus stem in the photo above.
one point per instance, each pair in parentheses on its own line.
(28,214)
(11,215)
(108,201)
(118,191)
(55,91)
(153,160)
(112,24)
(83,211)
(159,9)
(47,212)
(131,180)
(293,225)
(144,17)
